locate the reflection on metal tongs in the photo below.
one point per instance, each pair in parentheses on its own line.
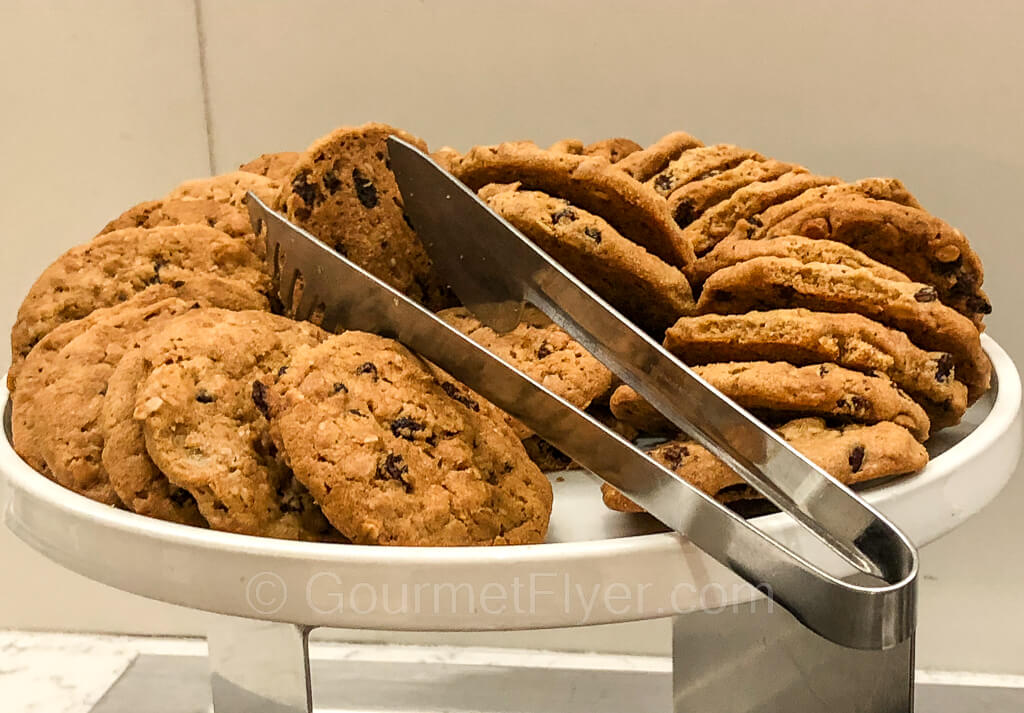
(494,268)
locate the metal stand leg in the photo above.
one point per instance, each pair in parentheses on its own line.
(259,666)
(756,658)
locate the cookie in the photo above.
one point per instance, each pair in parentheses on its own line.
(230,188)
(342,191)
(769,283)
(113,267)
(550,459)
(780,388)
(28,405)
(70,428)
(925,248)
(883,189)
(734,250)
(633,209)
(689,201)
(275,166)
(719,220)
(225,217)
(699,163)
(446,157)
(573,146)
(643,164)
(205,434)
(613,150)
(544,352)
(640,285)
(802,337)
(396,457)
(545,456)
(139,484)
(851,454)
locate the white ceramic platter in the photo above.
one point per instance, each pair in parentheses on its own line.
(596,567)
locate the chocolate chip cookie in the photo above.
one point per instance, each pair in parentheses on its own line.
(588,182)
(205,433)
(802,337)
(699,163)
(851,454)
(780,388)
(927,249)
(720,220)
(689,201)
(342,191)
(735,250)
(275,166)
(883,189)
(766,283)
(544,352)
(644,164)
(395,458)
(639,284)
(113,267)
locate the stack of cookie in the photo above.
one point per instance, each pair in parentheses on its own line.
(843,314)
(149,372)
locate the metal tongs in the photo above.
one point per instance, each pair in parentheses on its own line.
(493,269)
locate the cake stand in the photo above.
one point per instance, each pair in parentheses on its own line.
(597,567)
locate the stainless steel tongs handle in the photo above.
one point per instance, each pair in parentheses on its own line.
(870,616)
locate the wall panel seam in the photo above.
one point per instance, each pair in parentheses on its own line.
(204,79)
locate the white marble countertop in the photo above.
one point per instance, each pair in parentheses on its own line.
(70,673)
(59,673)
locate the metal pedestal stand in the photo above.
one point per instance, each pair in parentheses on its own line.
(750,659)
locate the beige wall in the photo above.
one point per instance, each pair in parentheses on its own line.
(103,105)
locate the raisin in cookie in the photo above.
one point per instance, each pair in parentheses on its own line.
(395,459)
(770,282)
(203,431)
(927,249)
(802,337)
(850,454)
(782,388)
(647,290)
(644,164)
(689,201)
(275,166)
(343,192)
(589,182)
(719,221)
(699,163)
(113,267)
